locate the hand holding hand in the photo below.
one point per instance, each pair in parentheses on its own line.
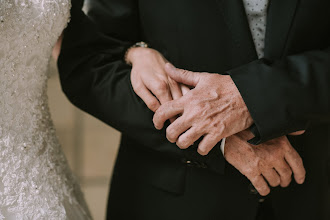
(274,161)
(149,79)
(213,109)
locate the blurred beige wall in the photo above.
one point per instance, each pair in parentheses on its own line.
(90,145)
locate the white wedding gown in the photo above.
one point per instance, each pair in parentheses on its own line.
(35,180)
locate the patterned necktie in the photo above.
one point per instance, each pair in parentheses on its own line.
(256,11)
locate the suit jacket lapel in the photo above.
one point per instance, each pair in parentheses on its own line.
(279,21)
(234,15)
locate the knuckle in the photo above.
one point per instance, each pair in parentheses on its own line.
(184,72)
(202,150)
(255,178)
(246,171)
(160,114)
(182,143)
(152,105)
(258,164)
(190,116)
(157,114)
(282,141)
(170,133)
(273,157)
(284,144)
(137,87)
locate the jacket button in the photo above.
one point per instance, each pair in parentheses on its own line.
(192,163)
(261,200)
(185,161)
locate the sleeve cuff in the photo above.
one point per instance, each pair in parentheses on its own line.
(222,146)
(256,140)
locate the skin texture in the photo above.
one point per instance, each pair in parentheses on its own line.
(213,109)
(274,161)
(212,104)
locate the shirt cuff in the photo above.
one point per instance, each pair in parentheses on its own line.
(222,146)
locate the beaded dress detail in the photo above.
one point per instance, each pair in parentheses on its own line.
(35,179)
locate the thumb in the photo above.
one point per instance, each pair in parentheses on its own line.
(182,76)
(297,133)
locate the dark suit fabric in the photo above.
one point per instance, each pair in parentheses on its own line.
(286,91)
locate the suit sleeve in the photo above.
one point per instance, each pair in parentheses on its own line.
(94,76)
(286,95)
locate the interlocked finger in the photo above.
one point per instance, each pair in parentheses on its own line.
(188,138)
(176,93)
(167,111)
(148,98)
(175,129)
(184,89)
(162,92)
(206,145)
(175,89)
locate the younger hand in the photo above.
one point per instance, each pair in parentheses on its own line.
(149,79)
(274,161)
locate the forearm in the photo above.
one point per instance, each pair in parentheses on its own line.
(286,95)
(95,78)
(110,98)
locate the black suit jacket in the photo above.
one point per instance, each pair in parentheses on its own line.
(287,91)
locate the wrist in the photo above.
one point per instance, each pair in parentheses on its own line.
(245,135)
(135,53)
(128,57)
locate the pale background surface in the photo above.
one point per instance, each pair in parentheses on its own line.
(90,146)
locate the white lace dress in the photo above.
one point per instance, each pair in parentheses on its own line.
(35,180)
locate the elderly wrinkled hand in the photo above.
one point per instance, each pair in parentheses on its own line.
(150,80)
(273,161)
(213,109)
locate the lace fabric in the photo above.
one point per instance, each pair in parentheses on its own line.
(35,179)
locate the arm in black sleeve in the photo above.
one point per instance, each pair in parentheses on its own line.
(94,76)
(286,95)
